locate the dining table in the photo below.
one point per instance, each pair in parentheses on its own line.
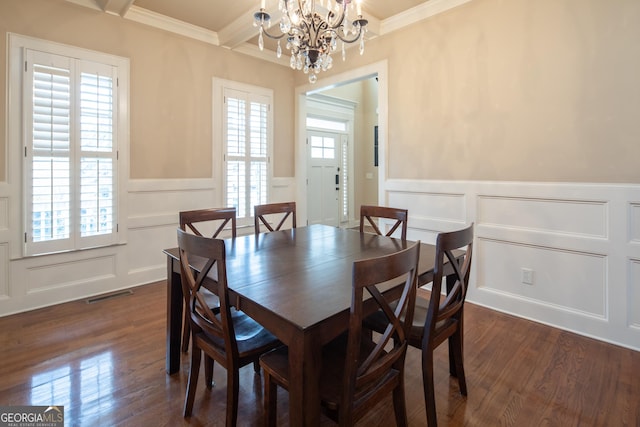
(297,283)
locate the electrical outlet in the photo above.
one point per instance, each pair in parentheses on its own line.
(527,276)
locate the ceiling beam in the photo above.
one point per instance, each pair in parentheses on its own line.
(242,29)
(116,7)
(145,16)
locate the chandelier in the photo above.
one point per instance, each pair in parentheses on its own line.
(312,31)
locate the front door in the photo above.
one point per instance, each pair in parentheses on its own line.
(324,177)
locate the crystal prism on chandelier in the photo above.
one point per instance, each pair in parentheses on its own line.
(312,30)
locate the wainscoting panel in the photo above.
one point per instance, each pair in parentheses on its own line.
(634,222)
(4,270)
(634,293)
(567,280)
(4,213)
(51,277)
(4,242)
(545,215)
(440,206)
(147,262)
(577,244)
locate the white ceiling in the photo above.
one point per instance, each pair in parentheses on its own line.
(228,23)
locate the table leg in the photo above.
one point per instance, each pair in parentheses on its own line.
(304,395)
(174,317)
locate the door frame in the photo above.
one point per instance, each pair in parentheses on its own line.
(376,69)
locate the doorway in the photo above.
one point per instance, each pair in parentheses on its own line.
(361,163)
(330,130)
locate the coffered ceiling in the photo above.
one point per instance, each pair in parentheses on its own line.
(228,23)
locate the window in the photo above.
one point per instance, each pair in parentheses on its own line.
(70,112)
(247,125)
(327,124)
(323,147)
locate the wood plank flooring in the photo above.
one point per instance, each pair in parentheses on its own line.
(105,363)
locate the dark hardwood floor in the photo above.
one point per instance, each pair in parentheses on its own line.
(105,363)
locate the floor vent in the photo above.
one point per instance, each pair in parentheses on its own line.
(111,295)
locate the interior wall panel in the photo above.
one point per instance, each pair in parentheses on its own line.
(4,270)
(634,294)
(4,213)
(568,280)
(579,217)
(49,277)
(578,246)
(432,205)
(634,222)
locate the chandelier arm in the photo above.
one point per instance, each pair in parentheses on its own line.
(339,18)
(272,36)
(346,40)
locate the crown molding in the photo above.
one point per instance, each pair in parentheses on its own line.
(91,4)
(418,13)
(156,20)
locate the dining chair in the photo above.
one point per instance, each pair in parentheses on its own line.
(439,317)
(219,217)
(360,370)
(286,208)
(197,221)
(369,213)
(227,336)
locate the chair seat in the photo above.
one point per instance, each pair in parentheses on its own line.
(251,337)
(419,317)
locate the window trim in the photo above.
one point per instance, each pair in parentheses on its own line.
(15,166)
(218,107)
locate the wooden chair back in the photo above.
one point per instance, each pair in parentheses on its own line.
(288,209)
(448,311)
(368,215)
(197,221)
(221,216)
(443,319)
(225,335)
(210,254)
(371,374)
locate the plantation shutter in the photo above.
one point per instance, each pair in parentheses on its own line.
(246,121)
(70,153)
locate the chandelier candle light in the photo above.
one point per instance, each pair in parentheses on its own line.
(312,31)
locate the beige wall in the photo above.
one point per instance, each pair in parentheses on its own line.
(171,85)
(514,90)
(491,90)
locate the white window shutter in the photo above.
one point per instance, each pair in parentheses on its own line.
(48,99)
(246,149)
(70,153)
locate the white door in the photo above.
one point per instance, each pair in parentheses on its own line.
(324,177)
